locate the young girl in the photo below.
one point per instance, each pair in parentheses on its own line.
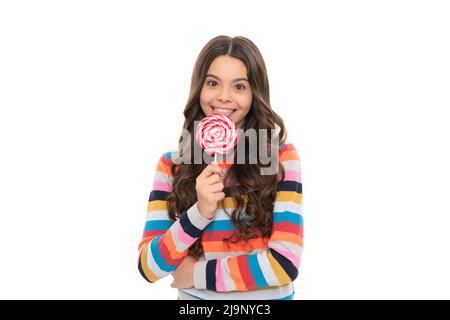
(225,230)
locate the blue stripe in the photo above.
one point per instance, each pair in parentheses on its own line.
(220,225)
(287,216)
(168,154)
(255,269)
(190,295)
(158,195)
(157,225)
(289,186)
(227,225)
(158,258)
(289,297)
(187,225)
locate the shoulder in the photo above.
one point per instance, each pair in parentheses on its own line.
(289,158)
(165,162)
(167,156)
(288,152)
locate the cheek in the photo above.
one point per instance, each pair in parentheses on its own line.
(242,113)
(206,96)
(246,103)
(205,99)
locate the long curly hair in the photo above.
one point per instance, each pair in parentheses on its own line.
(253,193)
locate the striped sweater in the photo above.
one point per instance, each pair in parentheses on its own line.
(264,268)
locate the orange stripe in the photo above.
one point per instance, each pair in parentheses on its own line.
(157,205)
(236,274)
(289,155)
(161,166)
(148,273)
(287,237)
(171,247)
(289,196)
(229,203)
(145,241)
(220,246)
(281,275)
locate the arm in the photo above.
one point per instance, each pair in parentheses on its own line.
(279,264)
(166,243)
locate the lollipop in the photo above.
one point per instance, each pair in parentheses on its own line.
(216,133)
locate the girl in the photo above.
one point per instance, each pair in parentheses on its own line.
(226,231)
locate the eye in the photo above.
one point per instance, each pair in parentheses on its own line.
(240,85)
(208,82)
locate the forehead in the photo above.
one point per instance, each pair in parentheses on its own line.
(228,68)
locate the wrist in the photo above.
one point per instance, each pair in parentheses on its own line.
(197,219)
(202,212)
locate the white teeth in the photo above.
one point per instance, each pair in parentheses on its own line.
(222,110)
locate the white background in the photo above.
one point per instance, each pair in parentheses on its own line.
(92,93)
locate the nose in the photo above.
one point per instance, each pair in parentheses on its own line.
(224,95)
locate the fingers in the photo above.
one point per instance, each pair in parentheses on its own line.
(212,179)
(209,170)
(216,187)
(218,196)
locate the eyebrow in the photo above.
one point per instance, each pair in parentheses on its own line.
(235,80)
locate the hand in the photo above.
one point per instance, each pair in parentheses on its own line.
(209,189)
(183,275)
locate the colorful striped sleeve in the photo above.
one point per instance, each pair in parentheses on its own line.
(165,243)
(279,263)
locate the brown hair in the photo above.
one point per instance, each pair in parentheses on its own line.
(259,190)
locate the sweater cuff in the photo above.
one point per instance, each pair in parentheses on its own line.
(192,222)
(200,274)
(205,274)
(196,218)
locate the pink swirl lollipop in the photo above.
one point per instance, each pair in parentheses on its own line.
(216,133)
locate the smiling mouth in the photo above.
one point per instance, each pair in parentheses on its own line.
(225,111)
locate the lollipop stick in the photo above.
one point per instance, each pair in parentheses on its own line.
(215,158)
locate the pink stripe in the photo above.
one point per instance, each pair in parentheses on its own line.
(220,286)
(163,186)
(184,237)
(293,176)
(292,257)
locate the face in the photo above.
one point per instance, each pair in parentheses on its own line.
(227,90)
